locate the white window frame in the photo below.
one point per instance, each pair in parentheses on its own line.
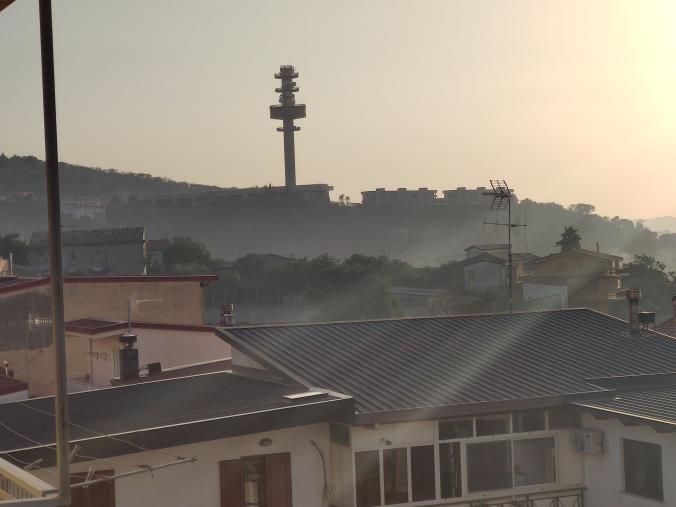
(466,496)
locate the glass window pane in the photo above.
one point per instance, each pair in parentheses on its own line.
(563,418)
(367,474)
(451,470)
(423,476)
(642,468)
(528,420)
(254,482)
(489,466)
(458,428)
(534,461)
(492,425)
(395,475)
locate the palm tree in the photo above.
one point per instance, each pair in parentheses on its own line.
(570,239)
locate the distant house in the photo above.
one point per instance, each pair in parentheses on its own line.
(119,251)
(591,279)
(487,266)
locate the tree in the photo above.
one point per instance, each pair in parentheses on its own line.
(184,255)
(570,239)
(585,209)
(12,243)
(657,286)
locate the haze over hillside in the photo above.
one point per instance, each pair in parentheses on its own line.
(421,235)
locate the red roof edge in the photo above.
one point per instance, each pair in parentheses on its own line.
(21,285)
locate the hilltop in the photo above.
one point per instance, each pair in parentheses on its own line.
(420,235)
(26,174)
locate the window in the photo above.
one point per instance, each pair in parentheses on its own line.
(458,428)
(367,474)
(492,425)
(423,482)
(450,464)
(256,481)
(563,418)
(395,475)
(642,468)
(529,420)
(489,466)
(534,461)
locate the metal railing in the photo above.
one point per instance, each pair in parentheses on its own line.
(562,498)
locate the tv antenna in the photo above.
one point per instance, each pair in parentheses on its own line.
(131,302)
(502,199)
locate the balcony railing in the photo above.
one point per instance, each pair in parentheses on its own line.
(18,484)
(561,498)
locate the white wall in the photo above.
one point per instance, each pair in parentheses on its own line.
(604,474)
(538,290)
(198,484)
(487,276)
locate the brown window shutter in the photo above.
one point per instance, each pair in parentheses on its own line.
(98,495)
(278,480)
(232,490)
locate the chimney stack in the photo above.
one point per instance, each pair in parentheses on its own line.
(633,297)
(128,357)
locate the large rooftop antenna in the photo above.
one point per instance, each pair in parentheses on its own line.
(287,110)
(502,199)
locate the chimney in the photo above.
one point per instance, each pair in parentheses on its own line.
(633,296)
(227,315)
(128,357)
(598,248)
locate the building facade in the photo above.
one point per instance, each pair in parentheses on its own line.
(93,252)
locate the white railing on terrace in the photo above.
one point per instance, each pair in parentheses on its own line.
(19,486)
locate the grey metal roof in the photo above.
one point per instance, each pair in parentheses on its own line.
(655,405)
(465,362)
(220,398)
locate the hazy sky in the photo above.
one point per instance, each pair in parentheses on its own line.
(570,101)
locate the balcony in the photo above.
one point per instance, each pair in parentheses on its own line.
(18,484)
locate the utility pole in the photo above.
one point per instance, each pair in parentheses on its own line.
(502,198)
(55,261)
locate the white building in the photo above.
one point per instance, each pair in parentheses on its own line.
(565,408)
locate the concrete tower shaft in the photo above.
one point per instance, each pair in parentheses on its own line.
(287,110)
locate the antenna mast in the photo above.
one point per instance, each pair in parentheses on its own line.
(502,199)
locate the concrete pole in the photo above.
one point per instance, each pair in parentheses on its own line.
(55,262)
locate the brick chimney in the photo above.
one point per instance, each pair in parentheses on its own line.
(633,297)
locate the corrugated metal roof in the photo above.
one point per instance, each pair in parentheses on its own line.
(149,405)
(655,405)
(404,364)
